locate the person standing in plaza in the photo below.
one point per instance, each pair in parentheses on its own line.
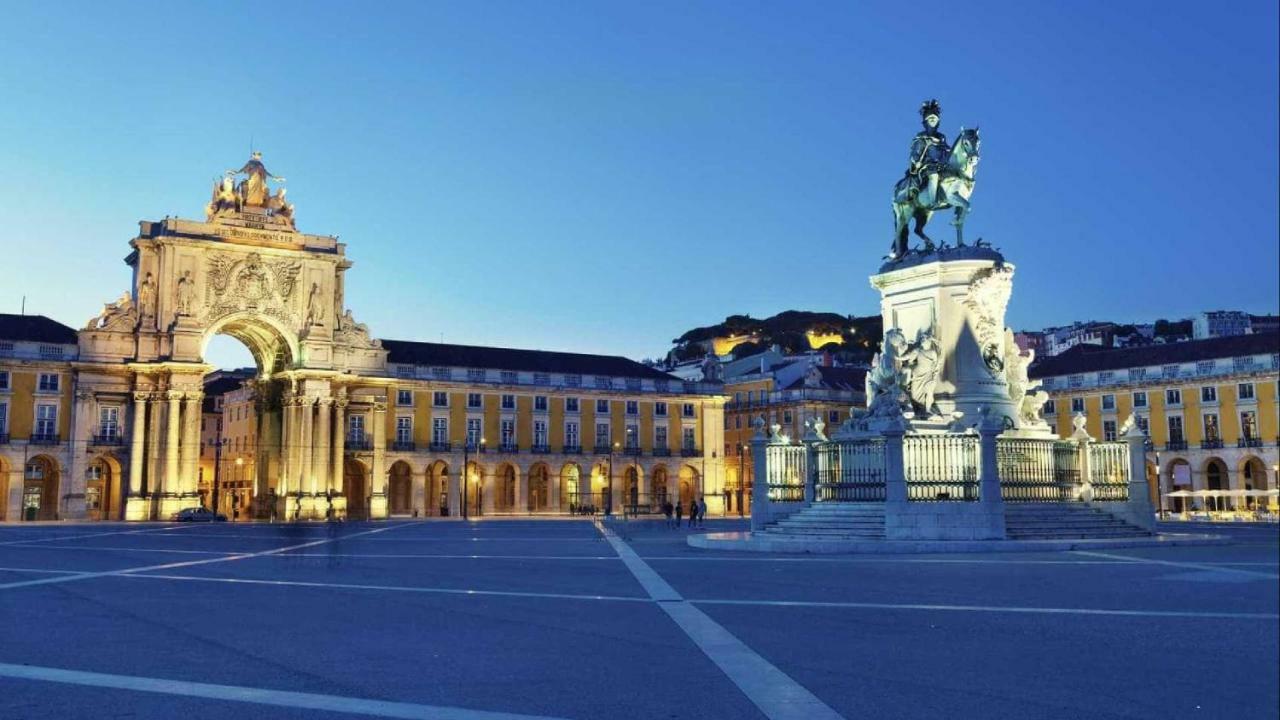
(679,512)
(702,511)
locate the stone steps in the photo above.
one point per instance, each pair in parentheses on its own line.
(832,520)
(1064,521)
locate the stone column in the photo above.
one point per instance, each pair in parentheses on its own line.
(286,445)
(320,457)
(172,481)
(989,496)
(135,505)
(760,483)
(454,493)
(488,492)
(191,444)
(339,444)
(306,482)
(895,470)
(522,492)
(1139,505)
(553,491)
(378,477)
(154,445)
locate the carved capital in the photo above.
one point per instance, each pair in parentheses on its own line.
(380,406)
(141,396)
(174,395)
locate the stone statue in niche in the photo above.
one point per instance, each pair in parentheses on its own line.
(186,293)
(923,359)
(315,306)
(147,297)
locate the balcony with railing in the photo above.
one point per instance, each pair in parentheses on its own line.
(785,397)
(1249,442)
(358,442)
(107,436)
(508,447)
(572,449)
(1211,444)
(542,449)
(403,445)
(662,451)
(4,438)
(44,439)
(1175,445)
(689,451)
(441,446)
(602,449)
(632,451)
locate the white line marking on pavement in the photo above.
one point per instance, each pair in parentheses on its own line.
(610,558)
(1171,563)
(393,588)
(189,563)
(42,571)
(259,696)
(83,536)
(993,609)
(771,690)
(95,548)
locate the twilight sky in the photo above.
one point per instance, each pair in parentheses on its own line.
(601,176)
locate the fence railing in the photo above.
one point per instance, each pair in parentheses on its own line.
(785,472)
(1038,470)
(1109,471)
(850,471)
(941,467)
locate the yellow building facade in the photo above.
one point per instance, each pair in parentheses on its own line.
(335,420)
(1209,408)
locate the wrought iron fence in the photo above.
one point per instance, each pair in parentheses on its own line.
(850,471)
(1109,471)
(785,472)
(941,467)
(1038,470)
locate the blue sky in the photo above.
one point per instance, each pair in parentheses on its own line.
(602,176)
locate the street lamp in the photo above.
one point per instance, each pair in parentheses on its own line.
(633,446)
(608,502)
(235,511)
(744,478)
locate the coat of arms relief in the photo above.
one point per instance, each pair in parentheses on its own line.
(250,283)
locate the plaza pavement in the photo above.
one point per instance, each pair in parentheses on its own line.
(574,619)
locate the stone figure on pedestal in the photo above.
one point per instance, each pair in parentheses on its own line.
(315,306)
(924,359)
(147,297)
(938,176)
(186,293)
(887,380)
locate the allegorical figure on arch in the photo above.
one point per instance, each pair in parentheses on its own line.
(938,176)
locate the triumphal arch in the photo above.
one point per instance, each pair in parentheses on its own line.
(246,272)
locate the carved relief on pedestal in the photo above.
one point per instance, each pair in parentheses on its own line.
(986,299)
(239,283)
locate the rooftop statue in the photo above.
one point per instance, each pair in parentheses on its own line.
(938,176)
(230,196)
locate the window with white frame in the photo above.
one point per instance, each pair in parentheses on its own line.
(1144,423)
(1211,430)
(602,435)
(441,373)
(475,401)
(786,417)
(1205,367)
(1077,405)
(1108,402)
(571,404)
(46,420)
(633,437)
(660,437)
(539,403)
(404,429)
(660,409)
(355,427)
(571,438)
(50,352)
(1106,377)
(1109,430)
(1137,374)
(439,430)
(1209,394)
(1248,424)
(602,406)
(1175,428)
(4,379)
(633,407)
(508,432)
(1075,381)
(1170,371)
(509,377)
(508,402)
(477,374)
(1245,391)
(48,382)
(542,378)
(573,380)
(109,421)
(4,418)
(603,383)
(540,433)
(688,410)
(404,398)
(688,439)
(440,399)
(1140,399)
(473,432)
(1050,407)
(1173,396)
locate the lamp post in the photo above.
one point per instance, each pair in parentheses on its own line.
(608,502)
(1159,482)
(633,446)
(238,479)
(744,479)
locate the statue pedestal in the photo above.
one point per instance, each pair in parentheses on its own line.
(959,296)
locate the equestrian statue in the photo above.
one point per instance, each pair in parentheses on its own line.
(938,176)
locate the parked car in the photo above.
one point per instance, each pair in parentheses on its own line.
(198,514)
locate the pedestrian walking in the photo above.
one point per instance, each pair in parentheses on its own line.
(702,511)
(693,511)
(679,512)
(666,511)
